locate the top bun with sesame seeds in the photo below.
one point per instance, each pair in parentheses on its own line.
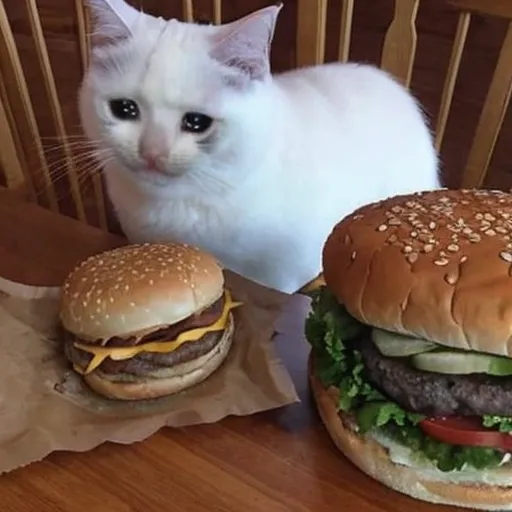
(434,265)
(142,321)
(411,345)
(131,290)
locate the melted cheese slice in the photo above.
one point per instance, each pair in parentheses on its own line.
(160,347)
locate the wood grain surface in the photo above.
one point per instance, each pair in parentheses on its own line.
(277,461)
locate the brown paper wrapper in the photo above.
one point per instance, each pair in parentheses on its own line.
(45,407)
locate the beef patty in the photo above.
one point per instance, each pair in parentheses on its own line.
(147,362)
(436,394)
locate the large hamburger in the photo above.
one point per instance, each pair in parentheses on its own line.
(411,342)
(145,321)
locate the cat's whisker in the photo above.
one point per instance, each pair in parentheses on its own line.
(60,169)
(75,160)
(73,146)
(82,176)
(209,182)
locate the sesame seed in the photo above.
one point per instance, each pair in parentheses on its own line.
(407,249)
(412,257)
(428,248)
(506,256)
(353,255)
(453,247)
(464,259)
(382,227)
(451,278)
(441,262)
(490,232)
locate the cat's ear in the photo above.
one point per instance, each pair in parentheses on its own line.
(244,45)
(112,19)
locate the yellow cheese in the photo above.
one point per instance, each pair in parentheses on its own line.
(160,347)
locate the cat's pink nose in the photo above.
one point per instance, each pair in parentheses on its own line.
(153,150)
(152,158)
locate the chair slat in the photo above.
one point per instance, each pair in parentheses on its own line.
(83,22)
(399,47)
(82,18)
(51,91)
(491,118)
(18,98)
(451,76)
(188,10)
(311,32)
(501,8)
(11,124)
(347,13)
(217,11)
(9,160)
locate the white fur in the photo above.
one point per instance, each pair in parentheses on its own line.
(295,153)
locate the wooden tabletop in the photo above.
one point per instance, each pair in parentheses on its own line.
(276,461)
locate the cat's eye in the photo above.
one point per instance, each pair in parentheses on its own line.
(124,109)
(195,122)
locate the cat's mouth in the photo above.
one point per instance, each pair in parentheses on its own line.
(158,176)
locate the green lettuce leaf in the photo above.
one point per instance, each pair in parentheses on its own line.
(502,424)
(331,331)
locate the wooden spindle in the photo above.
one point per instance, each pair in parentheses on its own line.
(451,76)
(15,96)
(491,118)
(83,23)
(347,13)
(217,12)
(400,42)
(311,32)
(188,10)
(51,91)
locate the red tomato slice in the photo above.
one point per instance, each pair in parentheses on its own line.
(467,432)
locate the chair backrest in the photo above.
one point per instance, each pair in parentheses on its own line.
(398,55)
(55,177)
(26,162)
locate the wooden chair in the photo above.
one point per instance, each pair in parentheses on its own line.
(26,163)
(22,145)
(398,53)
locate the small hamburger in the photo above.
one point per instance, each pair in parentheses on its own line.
(411,336)
(145,321)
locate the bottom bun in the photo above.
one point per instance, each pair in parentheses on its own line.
(373,459)
(184,375)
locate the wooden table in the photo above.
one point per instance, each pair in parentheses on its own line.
(276,461)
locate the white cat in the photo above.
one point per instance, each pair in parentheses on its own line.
(209,148)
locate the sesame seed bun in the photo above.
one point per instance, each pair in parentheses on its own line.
(435,265)
(168,380)
(373,458)
(136,289)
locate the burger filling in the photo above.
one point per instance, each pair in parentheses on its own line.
(452,420)
(150,361)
